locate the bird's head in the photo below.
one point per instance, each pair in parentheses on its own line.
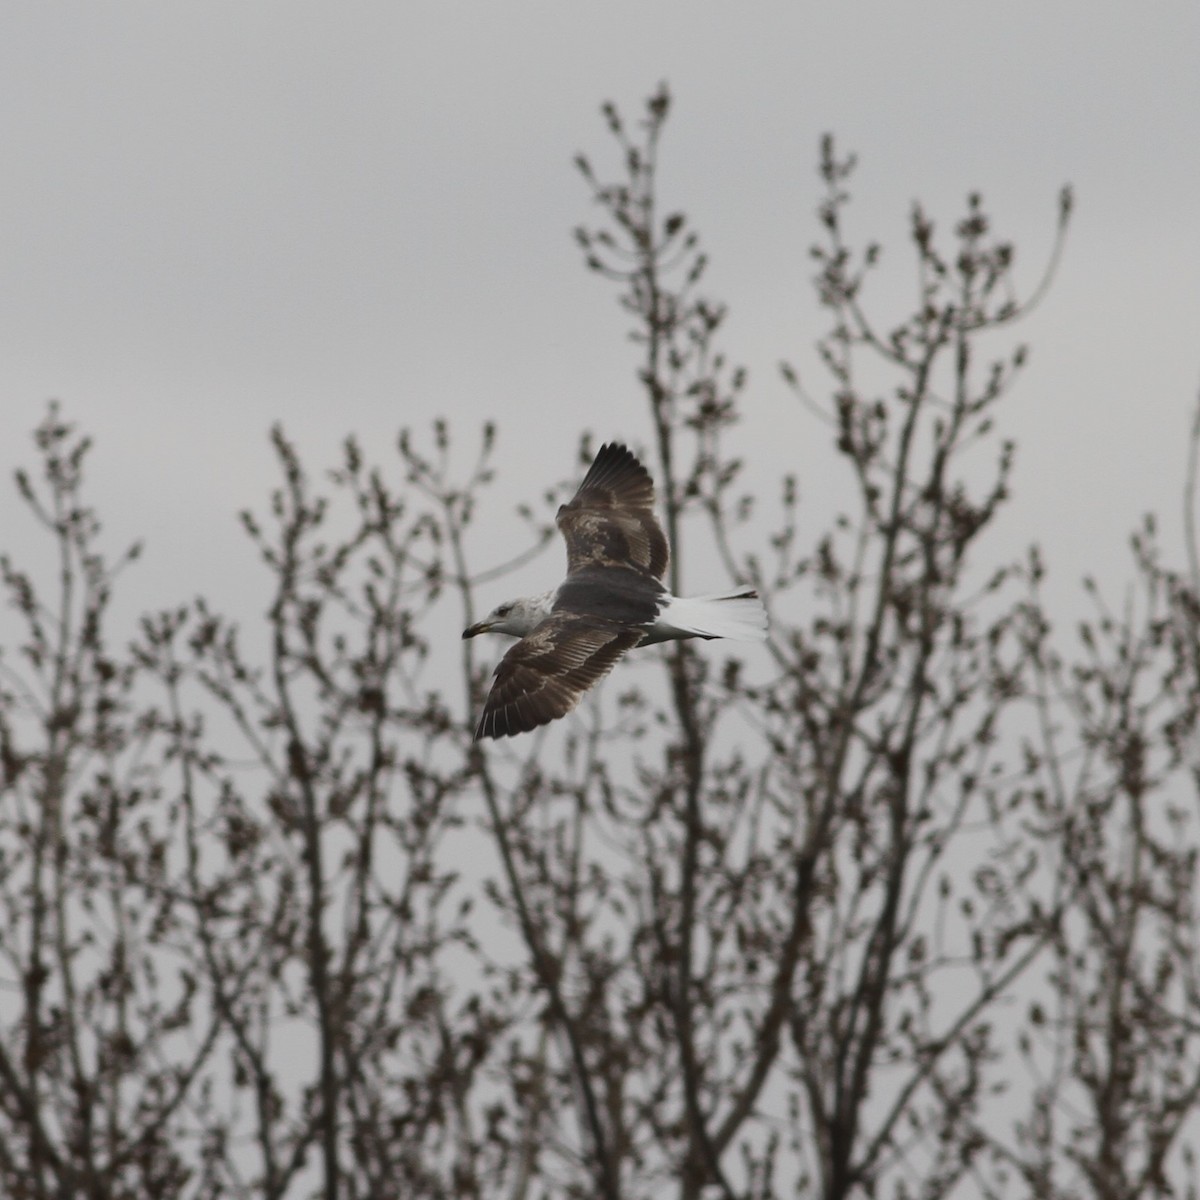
(514,617)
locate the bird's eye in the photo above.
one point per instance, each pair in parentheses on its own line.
(504,610)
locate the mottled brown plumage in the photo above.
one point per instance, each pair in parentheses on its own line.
(543,676)
(611,600)
(611,519)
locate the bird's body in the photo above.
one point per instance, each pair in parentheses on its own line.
(675,618)
(611,600)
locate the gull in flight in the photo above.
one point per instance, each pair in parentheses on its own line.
(612,600)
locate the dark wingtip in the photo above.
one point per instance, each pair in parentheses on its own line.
(614,452)
(490,729)
(613,461)
(513,718)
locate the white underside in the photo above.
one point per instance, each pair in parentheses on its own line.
(723,615)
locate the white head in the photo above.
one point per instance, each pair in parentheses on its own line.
(514,617)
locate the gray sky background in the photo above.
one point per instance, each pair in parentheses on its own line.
(355,217)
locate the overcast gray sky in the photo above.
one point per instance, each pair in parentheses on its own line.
(353,217)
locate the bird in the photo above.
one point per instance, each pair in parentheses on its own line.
(612,599)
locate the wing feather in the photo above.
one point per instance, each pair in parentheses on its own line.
(544,675)
(610,521)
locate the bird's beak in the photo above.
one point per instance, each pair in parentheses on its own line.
(478,627)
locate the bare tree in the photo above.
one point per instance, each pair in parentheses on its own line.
(1112,1039)
(107,1043)
(319,858)
(795,934)
(274,926)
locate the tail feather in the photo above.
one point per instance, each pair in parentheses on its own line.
(738,615)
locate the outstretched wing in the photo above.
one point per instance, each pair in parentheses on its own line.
(611,520)
(544,675)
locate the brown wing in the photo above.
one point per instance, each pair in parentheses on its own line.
(543,676)
(611,520)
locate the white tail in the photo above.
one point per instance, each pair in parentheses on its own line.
(738,615)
